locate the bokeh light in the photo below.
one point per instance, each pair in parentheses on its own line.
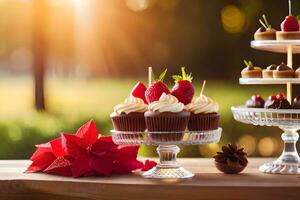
(139,5)
(267,146)
(209,150)
(233,19)
(248,142)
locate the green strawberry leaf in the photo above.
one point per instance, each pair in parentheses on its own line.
(298,17)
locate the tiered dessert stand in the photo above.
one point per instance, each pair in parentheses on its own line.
(167,148)
(286,119)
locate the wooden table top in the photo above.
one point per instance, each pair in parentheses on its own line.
(207,184)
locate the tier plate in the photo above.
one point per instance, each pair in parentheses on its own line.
(267,117)
(277,46)
(266,81)
(167,138)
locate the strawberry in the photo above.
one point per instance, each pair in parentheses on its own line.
(183,89)
(290,23)
(139,91)
(154,92)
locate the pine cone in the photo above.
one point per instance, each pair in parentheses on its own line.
(232,160)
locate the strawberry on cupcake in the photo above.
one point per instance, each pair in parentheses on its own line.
(129,116)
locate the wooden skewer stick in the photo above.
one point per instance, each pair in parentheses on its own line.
(203,86)
(290,7)
(149,76)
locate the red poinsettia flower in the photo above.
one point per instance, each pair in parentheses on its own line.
(86,154)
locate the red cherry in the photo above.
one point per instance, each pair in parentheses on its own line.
(297,98)
(256,97)
(272,97)
(280,96)
(290,23)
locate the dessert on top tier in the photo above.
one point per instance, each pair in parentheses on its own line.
(265,32)
(250,71)
(289,27)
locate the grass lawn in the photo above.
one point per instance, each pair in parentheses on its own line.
(71,102)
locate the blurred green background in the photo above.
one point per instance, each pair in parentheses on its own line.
(63,62)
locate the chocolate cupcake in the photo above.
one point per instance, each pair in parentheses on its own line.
(268,72)
(129,116)
(283,71)
(166,119)
(297,73)
(204,114)
(296,103)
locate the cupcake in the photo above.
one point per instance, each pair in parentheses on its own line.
(204,114)
(166,115)
(289,29)
(256,101)
(129,116)
(268,72)
(250,71)
(283,71)
(265,32)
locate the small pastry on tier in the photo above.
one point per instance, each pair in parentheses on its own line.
(296,103)
(166,115)
(283,71)
(250,71)
(256,101)
(268,72)
(204,114)
(278,101)
(289,29)
(297,73)
(129,116)
(266,32)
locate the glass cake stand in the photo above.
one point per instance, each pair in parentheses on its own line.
(167,149)
(286,119)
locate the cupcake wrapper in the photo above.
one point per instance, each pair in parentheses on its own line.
(130,122)
(165,123)
(204,122)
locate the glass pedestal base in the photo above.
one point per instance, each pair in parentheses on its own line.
(289,161)
(167,173)
(168,166)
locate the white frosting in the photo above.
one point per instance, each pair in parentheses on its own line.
(202,104)
(130,105)
(166,103)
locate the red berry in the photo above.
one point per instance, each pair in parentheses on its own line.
(280,96)
(297,98)
(183,91)
(290,23)
(154,92)
(256,98)
(139,91)
(272,97)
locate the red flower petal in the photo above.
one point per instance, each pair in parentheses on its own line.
(57,148)
(102,165)
(39,153)
(149,164)
(81,166)
(104,144)
(41,162)
(72,146)
(61,166)
(127,167)
(88,133)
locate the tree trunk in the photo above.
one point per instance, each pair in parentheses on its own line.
(39,22)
